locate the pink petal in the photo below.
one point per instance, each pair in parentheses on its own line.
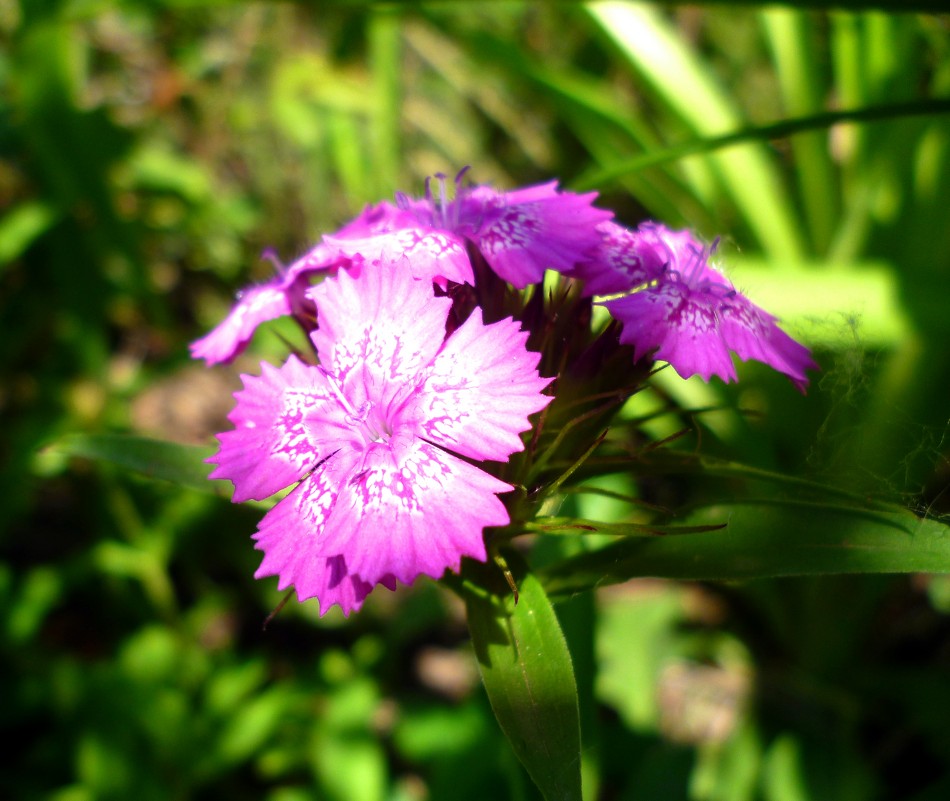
(286,421)
(383,321)
(480,390)
(255,305)
(319,258)
(413,509)
(400,510)
(623,260)
(695,330)
(681,328)
(690,314)
(437,256)
(323,256)
(525,232)
(753,334)
(375,219)
(279,297)
(290,536)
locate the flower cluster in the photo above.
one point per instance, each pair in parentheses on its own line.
(395,433)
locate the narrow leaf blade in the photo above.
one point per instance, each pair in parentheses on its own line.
(183,465)
(765,539)
(527,671)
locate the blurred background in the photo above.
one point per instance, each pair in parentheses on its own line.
(151,149)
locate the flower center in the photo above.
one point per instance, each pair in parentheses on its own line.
(365,419)
(689,264)
(685,263)
(442,212)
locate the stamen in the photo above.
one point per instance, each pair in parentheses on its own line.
(360,417)
(338,393)
(693,265)
(459,194)
(443,200)
(357,418)
(269,254)
(670,261)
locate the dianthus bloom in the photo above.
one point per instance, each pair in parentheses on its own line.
(378,436)
(520,234)
(682,309)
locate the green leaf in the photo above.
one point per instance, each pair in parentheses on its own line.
(827,304)
(768,538)
(527,671)
(571,525)
(20,227)
(183,465)
(929,107)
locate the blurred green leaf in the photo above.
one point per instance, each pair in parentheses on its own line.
(183,465)
(828,305)
(20,226)
(633,642)
(102,766)
(232,685)
(440,731)
(783,777)
(729,771)
(348,757)
(157,168)
(795,49)
(27,607)
(526,668)
(253,723)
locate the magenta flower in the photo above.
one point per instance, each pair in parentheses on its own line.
(379,437)
(685,311)
(520,234)
(286,293)
(625,260)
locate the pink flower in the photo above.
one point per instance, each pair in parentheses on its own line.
(520,234)
(380,437)
(623,260)
(684,310)
(286,293)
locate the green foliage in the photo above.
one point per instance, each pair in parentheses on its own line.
(527,672)
(150,150)
(183,465)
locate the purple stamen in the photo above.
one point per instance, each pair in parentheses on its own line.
(269,254)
